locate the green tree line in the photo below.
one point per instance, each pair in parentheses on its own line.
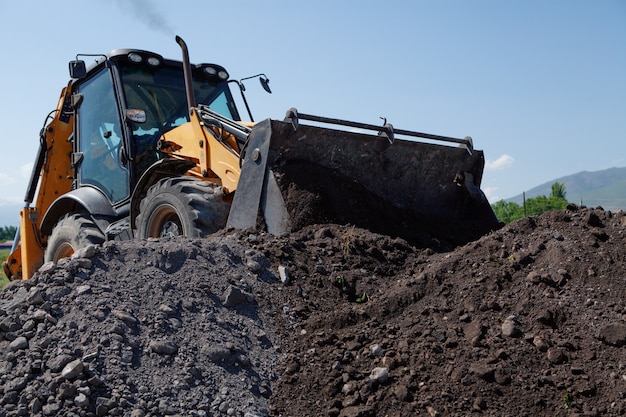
(7,233)
(507,212)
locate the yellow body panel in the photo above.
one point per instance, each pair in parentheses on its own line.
(214,160)
(55,180)
(32,252)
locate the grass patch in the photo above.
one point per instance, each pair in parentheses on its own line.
(3,278)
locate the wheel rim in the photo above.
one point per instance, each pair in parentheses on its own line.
(164,222)
(64,250)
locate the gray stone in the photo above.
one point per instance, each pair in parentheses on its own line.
(379,375)
(254,266)
(57,363)
(72,369)
(51,409)
(86,252)
(81,400)
(35,297)
(83,289)
(283,273)
(163,347)
(124,316)
(16,384)
(233,296)
(217,354)
(19,343)
(40,315)
(47,268)
(167,310)
(376,350)
(511,328)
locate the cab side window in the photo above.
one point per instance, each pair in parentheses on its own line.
(100,138)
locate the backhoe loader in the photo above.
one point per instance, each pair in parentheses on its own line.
(140,146)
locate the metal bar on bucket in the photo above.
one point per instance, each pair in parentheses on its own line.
(386,129)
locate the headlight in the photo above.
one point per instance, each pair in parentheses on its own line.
(210,70)
(223,75)
(154,61)
(135,57)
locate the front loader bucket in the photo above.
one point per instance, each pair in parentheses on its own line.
(426,193)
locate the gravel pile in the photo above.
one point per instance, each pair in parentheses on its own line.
(160,328)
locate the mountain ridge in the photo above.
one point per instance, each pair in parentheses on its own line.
(605,188)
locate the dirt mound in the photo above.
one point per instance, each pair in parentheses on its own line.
(332,320)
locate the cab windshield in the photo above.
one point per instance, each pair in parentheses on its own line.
(160,92)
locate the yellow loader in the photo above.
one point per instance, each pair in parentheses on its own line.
(141,146)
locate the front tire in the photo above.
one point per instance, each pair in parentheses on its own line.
(73,231)
(182,206)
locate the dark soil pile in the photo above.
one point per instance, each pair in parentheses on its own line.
(332,320)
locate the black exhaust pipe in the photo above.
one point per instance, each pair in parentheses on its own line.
(191,99)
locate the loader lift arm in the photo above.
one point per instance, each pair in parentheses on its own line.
(52,175)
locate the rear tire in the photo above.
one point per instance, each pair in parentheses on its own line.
(72,232)
(182,206)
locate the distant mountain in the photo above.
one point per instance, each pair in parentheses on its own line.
(606,188)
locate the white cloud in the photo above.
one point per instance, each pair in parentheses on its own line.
(504,161)
(490,193)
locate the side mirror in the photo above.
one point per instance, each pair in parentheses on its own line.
(265,84)
(78,69)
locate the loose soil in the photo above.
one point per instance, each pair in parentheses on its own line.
(331,320)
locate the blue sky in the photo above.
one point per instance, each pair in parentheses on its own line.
(539,85)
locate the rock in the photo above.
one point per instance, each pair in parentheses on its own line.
(283,273)
(19,343)
(16,384)
(541,343)
(86,253)
(534,277)
(81,400)
(556,356)
(66,390)
(167,310)
(83,289)
(163,347)
(35,406)
(379,375)
(51,409)
(376,350)
(35,297)
(613,334)
(82,263)
(47,268)
(124,316)
(57,363)
(593,220)
(217,354)
(72,369)
(233,296)
(511,328)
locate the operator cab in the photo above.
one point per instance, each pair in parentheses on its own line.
(124,103)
